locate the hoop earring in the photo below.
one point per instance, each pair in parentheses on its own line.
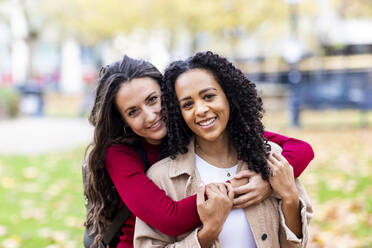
(127,132)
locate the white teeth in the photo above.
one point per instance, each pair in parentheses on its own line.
(155,125)
(206,123)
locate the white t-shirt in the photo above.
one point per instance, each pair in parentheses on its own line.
(236,231)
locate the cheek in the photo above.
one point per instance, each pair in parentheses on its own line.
(186,116)
(157,106)
(225,107)
(135,124)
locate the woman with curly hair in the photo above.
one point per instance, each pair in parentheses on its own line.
(127,111)
(214,130)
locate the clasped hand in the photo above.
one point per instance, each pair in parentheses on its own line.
(214,203)
(250,188)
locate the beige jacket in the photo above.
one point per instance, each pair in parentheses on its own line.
(180,179)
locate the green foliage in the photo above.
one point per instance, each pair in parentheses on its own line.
(9,102)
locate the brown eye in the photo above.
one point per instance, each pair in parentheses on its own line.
(209,96)
(153,99)
(132,112)
(187,105)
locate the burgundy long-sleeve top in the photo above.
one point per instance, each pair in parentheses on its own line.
(152,205)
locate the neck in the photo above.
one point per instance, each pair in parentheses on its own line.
(220,153)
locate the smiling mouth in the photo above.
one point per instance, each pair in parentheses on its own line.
(155,125)
(207,123)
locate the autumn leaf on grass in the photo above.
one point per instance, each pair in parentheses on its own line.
(3,230)
(56,236)
(53,246)
(45,232)
(27,203)
(31,187)
(59,236)
(8,182)
(31,172)
(369,220)
(74,222)
(33,213)
(13,242)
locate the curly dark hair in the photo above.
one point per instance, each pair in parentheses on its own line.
(245,126)
(109,129)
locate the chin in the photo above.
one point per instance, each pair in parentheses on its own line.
(207,138)
(160,135)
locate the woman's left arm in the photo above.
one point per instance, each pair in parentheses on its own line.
(298,153)
(283,183)
(250,188)
(295,208)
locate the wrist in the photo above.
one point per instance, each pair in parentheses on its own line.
(207,235)
(291,198)
(211,229)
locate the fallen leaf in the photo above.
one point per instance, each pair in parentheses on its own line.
(12,242)
(31,172)
(3,231)
(8,182)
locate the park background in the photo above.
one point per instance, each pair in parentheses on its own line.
(311,61)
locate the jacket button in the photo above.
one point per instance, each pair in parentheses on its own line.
(264,236)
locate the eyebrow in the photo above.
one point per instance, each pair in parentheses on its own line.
(200,93)
(147,98)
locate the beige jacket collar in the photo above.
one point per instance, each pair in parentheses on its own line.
(184,163)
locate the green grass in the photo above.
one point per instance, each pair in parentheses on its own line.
(41,200)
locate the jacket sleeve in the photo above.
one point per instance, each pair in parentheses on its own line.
(297,152)
(144,199)
(286,237)
(148,237)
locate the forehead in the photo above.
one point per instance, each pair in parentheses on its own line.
(192,81)
(136,91)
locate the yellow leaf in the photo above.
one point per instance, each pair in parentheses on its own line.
(8,182)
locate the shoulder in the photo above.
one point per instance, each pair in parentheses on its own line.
(159,170)
(118,155)
(119,150)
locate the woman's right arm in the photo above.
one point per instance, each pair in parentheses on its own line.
(214,203)
(144,199)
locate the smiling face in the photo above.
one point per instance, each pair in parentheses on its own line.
(139,104)
(203,104)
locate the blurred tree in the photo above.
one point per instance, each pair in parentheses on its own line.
(29,16)
(353,9)
(96,20)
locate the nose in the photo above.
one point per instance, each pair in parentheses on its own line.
(151,114)
(200,108)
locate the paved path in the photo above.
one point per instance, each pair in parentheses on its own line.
(28,136)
